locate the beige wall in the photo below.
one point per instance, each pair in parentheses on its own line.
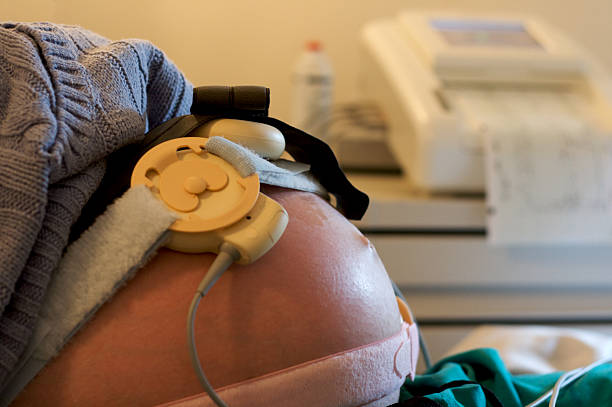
(257,41)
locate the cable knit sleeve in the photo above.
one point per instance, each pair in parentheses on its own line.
(68,98)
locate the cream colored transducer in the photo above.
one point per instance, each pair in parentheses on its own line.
(215,204)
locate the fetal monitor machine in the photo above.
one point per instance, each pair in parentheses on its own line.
(447,81)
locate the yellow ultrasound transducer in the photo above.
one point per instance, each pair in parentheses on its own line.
(214,202)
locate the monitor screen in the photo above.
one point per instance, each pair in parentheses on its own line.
(483,33)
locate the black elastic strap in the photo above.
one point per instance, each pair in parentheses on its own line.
(251,103)
(350,201)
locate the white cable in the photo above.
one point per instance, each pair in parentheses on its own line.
(540,399)
(565,380)
(572,377)
(227,255)
(561,382)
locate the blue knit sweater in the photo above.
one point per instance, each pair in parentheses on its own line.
(68,98)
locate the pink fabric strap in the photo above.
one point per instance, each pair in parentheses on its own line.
(355,377)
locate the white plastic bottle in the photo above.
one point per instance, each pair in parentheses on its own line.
(312,91)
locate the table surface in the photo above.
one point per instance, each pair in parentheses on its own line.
(395,205)
(435,248)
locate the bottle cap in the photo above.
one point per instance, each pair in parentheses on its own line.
(313,46)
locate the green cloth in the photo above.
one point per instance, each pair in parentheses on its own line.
(445,384)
